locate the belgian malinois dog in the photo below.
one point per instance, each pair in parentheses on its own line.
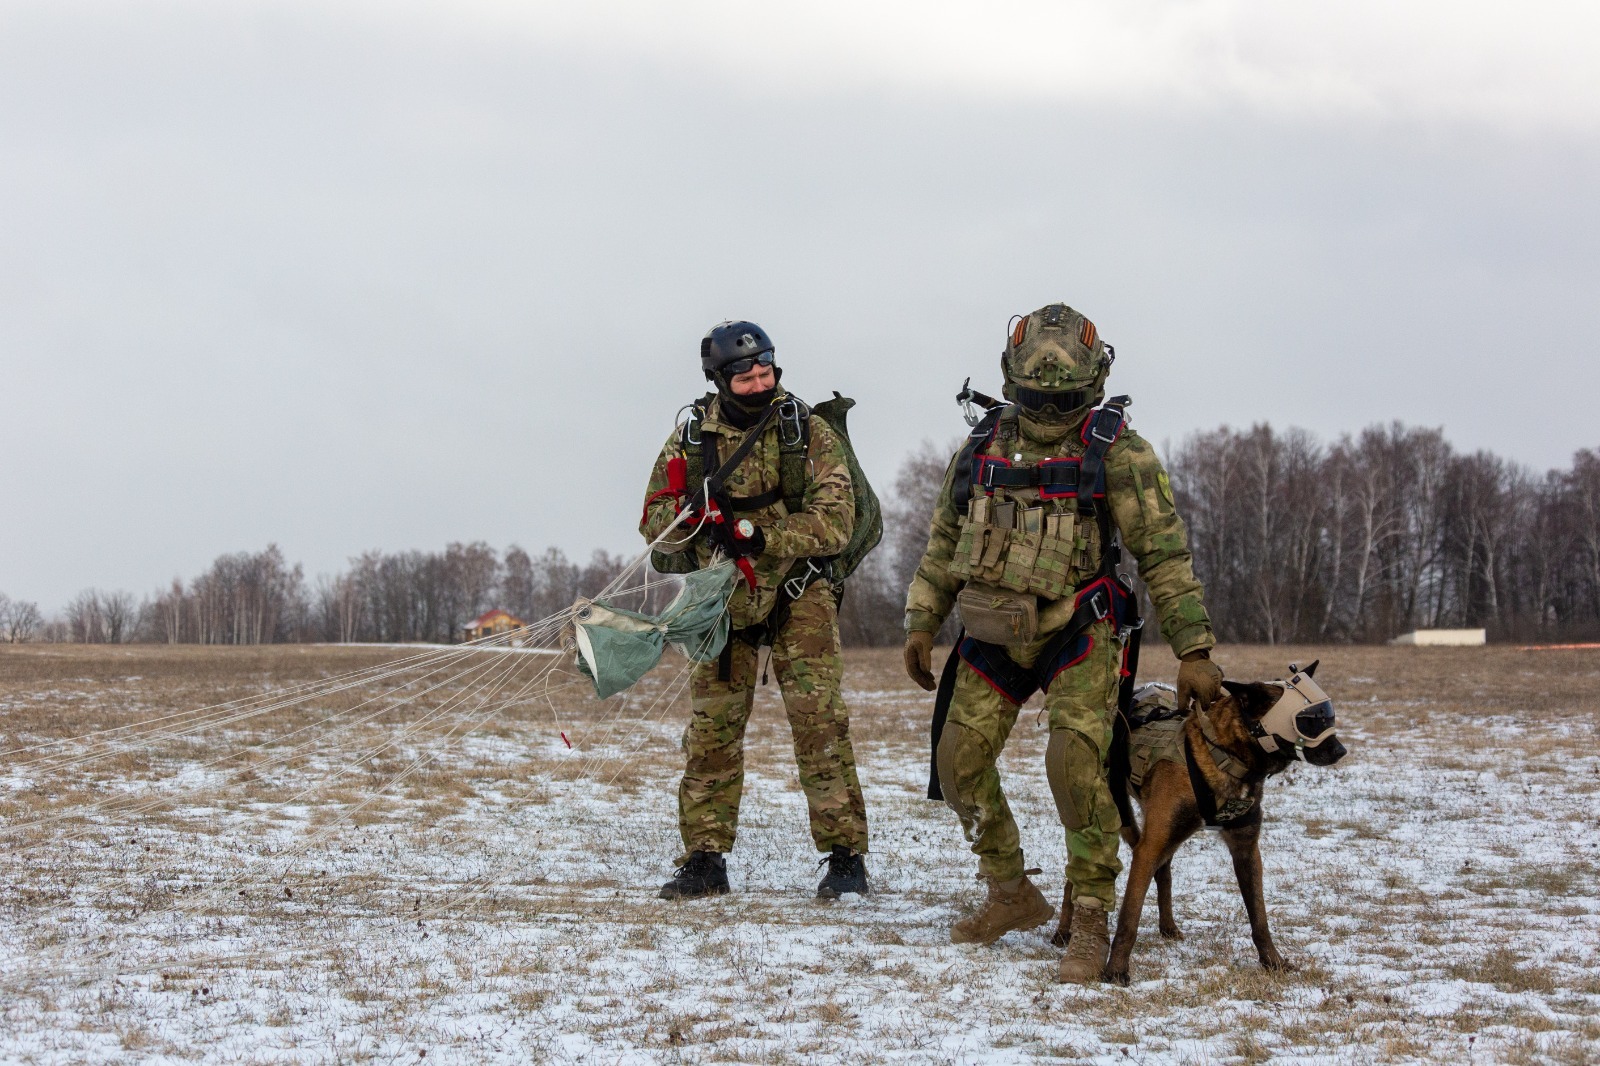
(1207,768)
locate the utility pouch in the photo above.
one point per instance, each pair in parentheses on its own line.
(995,615)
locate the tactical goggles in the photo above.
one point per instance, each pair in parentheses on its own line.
(1302,717)
(747,364)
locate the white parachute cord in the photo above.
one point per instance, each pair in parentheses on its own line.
(456,733)
(499,872)
(271,700)
(220,719)
(663,702)
(279,758)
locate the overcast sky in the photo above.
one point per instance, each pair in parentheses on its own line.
(344,276)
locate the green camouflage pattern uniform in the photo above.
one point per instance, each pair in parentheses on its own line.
(804,641)
(1081,699)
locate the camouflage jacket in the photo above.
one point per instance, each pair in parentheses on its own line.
(821,527)
(1142,511)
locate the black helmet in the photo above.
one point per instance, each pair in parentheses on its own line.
(730,342)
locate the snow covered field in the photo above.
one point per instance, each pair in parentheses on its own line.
(308,887)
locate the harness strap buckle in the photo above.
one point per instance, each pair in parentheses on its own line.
(796,586)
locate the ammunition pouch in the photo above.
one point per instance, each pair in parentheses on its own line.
(1027,550)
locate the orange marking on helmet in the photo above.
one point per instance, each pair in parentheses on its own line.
(1087,334)
(1020,332)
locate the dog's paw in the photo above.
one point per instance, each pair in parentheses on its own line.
(1171,931)
(1061,937)
(1275,963)
(1116,976)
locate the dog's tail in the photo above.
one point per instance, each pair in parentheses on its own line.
(1118,769)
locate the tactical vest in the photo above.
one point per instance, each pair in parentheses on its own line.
(700,449)
(1035,548)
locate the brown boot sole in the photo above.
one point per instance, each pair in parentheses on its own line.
(1026,921)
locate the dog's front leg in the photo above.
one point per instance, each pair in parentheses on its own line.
(1163,816)
(1244,845)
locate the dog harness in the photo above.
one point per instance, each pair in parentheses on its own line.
(1158,732)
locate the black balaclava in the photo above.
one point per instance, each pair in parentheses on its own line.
(742,412)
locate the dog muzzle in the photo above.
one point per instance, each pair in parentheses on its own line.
(1301,722)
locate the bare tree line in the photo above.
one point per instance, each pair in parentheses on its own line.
(1295,540)
(20,620)
(259,598)
(1384,532)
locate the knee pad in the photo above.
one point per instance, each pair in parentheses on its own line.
(1072,766)
(962,754)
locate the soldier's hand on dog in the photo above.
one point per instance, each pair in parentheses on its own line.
(919,659)
(1199,679)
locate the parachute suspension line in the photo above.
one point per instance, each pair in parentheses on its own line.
(67,761)
(280,758)
(189,903)
(436,664)
(272,700)
(496,874)
(465,723)
(461,720)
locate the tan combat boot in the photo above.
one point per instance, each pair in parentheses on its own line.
(1014,904)
(1088,947)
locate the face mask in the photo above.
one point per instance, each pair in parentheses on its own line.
(744,411)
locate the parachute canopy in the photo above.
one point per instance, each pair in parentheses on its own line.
(617,647)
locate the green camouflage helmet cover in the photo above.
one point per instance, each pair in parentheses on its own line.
(1055,364)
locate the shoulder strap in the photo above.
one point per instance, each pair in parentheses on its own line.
(980,437)
(1100,431)
(794,452)
(691,440)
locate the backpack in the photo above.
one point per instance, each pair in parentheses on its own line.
(794,441)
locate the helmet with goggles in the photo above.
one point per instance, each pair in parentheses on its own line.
(734,348)
(1055,364)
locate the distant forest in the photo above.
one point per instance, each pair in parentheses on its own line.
(1297,541)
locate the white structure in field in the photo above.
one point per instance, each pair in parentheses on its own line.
(1444,638)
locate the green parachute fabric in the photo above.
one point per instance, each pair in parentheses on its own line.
(617,647)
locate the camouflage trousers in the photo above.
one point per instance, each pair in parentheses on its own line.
(1080,702)
(805,657)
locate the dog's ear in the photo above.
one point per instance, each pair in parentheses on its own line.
(1255,699)
(1311,671)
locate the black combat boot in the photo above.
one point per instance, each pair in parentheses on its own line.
(847,872)
(705,874)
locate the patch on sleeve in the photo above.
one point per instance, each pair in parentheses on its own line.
(1166,488)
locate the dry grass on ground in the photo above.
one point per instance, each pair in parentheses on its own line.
(355,881)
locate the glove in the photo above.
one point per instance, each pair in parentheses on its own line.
(1199,679)
(919,659)
(740,539)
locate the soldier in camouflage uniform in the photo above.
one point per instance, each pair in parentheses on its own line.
(802,630)
(1023,544)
